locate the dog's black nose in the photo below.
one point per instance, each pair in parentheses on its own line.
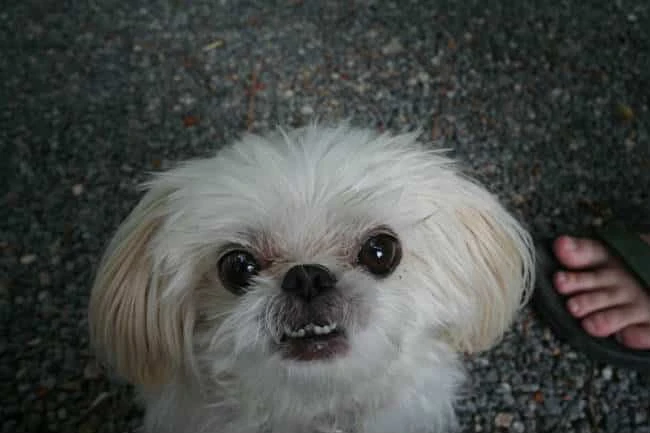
(307,281)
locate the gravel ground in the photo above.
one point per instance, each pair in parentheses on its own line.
(546,102)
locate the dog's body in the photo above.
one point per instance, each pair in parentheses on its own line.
(322,280)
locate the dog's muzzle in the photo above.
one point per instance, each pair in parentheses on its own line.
(313,336)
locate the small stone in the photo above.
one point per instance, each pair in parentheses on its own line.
(518,199)
(126,168)
(607,373)
(392,47)
(187,100)
(34,342)
(518,427)
(288,94)
(624,112)
(213,45)
(306,110)
(77,189)
(43,295)
(190,121)
(503,420)
(61,414)
(28,259)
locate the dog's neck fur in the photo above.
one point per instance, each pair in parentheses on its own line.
(417,390)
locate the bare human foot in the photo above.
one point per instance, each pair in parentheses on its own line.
(603,294)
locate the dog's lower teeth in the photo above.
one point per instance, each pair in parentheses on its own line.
(309,329)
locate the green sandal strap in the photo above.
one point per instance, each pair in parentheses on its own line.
(631,249)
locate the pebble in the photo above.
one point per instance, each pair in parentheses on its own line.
(503,420)
(77,189)
(607,373)
(518,427)
(28,259)
(394,46)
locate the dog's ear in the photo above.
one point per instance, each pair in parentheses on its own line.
(487,258)
(133,327)
(499,272)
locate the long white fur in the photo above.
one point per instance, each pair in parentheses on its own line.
(200,355)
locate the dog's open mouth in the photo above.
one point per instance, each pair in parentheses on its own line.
(314,342)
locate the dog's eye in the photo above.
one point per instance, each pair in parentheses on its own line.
(380,254)
(236,270)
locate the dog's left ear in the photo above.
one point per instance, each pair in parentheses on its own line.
(493,258)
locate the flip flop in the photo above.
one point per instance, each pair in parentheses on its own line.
(551,305)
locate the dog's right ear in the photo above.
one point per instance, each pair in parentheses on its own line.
(132,328)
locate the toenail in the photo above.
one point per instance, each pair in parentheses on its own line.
(561,277)
(574,307)
(589,325)
(570,244)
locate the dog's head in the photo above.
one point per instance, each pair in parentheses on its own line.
(321,250)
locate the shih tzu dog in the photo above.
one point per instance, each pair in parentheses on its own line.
(324,279)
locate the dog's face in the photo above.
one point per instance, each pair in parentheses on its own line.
(324,252)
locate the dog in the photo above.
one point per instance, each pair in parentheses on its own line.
(321,279)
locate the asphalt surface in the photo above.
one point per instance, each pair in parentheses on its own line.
(546,102)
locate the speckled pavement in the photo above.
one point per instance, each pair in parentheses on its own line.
(545,102)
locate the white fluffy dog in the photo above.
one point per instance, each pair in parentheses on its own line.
(319,280)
